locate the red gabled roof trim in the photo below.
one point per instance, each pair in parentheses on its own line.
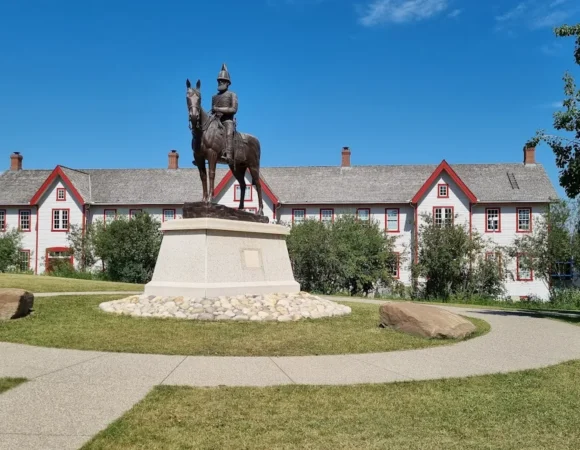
(57,172)
(228,177)
(444,166)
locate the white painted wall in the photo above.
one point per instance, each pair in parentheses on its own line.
(29,237)
(226,198)
(97,213)
(457,199)
(46,237)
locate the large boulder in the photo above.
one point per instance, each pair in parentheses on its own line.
(15,303)
(425,321)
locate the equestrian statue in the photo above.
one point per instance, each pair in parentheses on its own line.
(215,139)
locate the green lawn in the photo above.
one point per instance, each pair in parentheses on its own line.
(9,383)
(77,322)
(535,409)
(43,283)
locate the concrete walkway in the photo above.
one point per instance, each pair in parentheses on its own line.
(74,394)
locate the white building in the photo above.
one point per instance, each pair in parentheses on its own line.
(500,201)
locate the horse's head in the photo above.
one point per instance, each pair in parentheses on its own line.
(193,102)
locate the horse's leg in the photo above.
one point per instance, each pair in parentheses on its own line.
(212,157)
(255,172)
(200,163)
(240,176)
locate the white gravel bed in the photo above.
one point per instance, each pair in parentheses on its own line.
(271,307)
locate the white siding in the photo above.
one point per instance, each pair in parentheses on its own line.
(28,237)
(457,200)
(505,237)
(97,213)
(226,198)
(47,238)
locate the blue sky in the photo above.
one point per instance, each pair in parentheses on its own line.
(102,84)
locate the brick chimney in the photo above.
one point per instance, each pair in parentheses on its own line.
(173,160)
(345,157)
(529,154)
(16,161)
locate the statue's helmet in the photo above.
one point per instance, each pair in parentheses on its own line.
(224,74)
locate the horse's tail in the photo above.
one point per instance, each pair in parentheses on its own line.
(258,154)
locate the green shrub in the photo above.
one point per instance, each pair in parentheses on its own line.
(10,244)
(347,256)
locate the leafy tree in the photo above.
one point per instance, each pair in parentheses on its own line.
(451,262)
(10,245)
(567,149)
(347,255)
(554,240)
(128,247)
(81,242)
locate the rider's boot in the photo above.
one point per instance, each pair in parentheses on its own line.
(228,155)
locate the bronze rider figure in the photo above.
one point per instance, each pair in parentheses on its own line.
(224,106)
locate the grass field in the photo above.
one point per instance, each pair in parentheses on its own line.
(535,409)
(77,322)
(9,383)
(43,283)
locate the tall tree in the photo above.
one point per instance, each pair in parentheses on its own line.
(567,149)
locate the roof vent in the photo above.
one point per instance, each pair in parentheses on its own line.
(513,180)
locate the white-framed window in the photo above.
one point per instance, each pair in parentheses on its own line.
(238,193)
(492,219)
(392,220)
(168,214)
(298,216)
(2,220)
(24,260)
(24,219)
(60,194)
(443,216)
(443,190)
(60,219)
(364,214)
(327,215)
(110,215)
(394,267)
(524,272)
(524,218)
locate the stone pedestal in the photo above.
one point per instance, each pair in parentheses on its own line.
(208,257)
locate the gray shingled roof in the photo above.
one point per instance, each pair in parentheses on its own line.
(17,188)
(292,185)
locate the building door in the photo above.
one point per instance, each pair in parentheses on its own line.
(57,256)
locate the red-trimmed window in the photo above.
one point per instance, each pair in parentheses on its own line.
(2,220)
(443,215)
(24,260)
(443,190)
(55,254)
(134,212)
(24,220)
(248,196)
(493,220)
(395,266)
(327,215)
(523,220)
(168,214)
(60,219)
(60,194)
(363,214)
(392,220)
(109,215)
(298,216)
(524,271)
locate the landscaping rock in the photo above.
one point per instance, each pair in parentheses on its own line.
(274,307)
(15,303)
(424,321)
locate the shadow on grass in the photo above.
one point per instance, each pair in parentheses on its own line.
(572,317)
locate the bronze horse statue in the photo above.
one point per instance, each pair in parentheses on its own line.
(208,141)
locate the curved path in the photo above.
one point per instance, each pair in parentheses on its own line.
(73,394)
